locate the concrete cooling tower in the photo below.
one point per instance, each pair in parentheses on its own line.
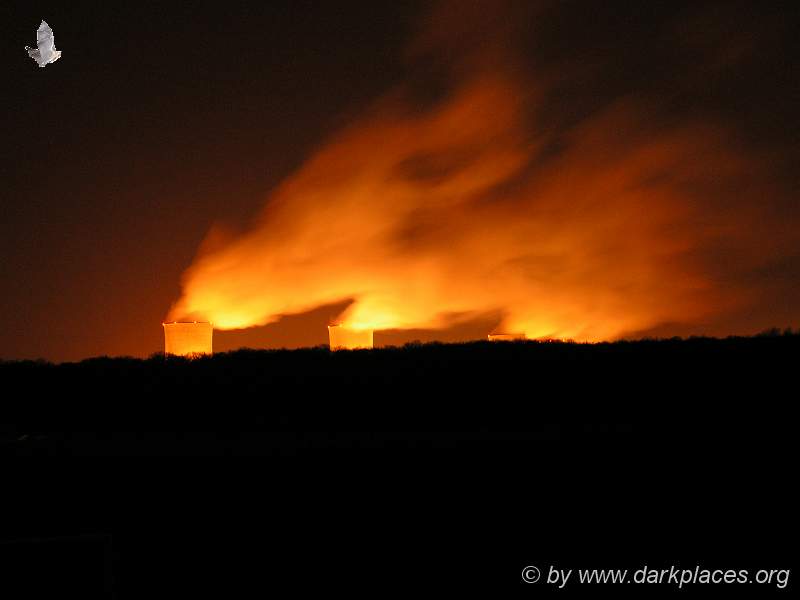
(184,338)
(345,338)
(506,337)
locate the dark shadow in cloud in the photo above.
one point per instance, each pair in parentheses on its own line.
(464,329)
(310,329)
(304,330)
(662,331)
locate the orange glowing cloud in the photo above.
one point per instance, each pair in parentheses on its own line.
(470,205)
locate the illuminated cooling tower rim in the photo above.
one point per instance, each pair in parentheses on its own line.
(184,338)
(186,322)
(341,337)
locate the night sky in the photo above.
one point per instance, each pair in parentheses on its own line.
(162,120)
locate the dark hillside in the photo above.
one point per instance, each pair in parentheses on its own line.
(434,467)
(462,396)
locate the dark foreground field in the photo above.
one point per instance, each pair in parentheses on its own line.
(461,397)
(425,469)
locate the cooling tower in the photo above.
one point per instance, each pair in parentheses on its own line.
(187,338)
(345,338)
(506,337)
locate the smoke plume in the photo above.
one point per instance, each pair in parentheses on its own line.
(486,193)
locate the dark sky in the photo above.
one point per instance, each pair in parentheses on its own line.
(160,119)
(163,118)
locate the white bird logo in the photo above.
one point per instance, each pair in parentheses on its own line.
(45,51)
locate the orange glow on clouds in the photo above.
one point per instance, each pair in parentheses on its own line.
(422,216)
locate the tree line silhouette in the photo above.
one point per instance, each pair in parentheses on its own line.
(466,396)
